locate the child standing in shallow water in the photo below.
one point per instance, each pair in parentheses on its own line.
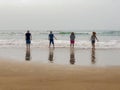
(93,38)
(28,38)
(51,38)
(72,39)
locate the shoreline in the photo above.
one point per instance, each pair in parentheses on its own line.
(74,56)
(29,76)
(50,69)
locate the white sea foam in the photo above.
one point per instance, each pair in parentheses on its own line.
(60,43)
(107,39)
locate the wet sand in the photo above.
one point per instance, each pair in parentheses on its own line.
(48,69)
(64,56)
(33,76)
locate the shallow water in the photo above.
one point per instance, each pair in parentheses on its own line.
(64,56)
(14,38)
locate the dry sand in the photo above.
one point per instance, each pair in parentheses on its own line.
(32,76)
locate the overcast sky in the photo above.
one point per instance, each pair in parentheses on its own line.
(60,14)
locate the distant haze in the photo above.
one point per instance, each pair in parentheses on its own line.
(60,14)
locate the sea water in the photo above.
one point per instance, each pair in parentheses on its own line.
(16,38)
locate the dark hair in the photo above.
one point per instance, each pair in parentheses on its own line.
(94,33)
(72,33)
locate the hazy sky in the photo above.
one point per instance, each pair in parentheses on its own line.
(60,14)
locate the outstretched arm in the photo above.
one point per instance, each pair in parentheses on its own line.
(55,37)
(96,38)
(30,37)
(25,36)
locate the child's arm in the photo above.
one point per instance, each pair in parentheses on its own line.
(48,37)
(96,38)
(55,37)
(30,37)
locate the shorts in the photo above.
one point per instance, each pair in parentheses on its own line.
(93,41)
(51,41)
(28,41)
(72,41)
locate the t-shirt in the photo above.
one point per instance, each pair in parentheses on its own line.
(93,38)
(51,36)
(72,37)
(28,36)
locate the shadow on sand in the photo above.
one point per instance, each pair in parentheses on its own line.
(28,54)
(93,58)
(72,55)
(51,54)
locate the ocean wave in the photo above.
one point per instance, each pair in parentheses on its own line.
(101,33)
(60,43)
(108,39)
(20,33)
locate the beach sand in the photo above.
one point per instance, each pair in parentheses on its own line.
(29,75)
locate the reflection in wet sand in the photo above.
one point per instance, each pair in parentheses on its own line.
(93,56)
(72,55)
(28,55)
(51,54)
